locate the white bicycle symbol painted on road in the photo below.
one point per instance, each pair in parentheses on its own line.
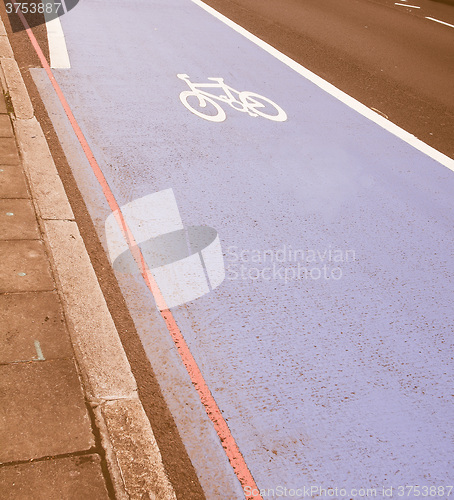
(197,99)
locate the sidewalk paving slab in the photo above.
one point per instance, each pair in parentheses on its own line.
(42,411)
(12,182)
(26,318)
(75,478)
(8,151)
(24,267)
(18,220)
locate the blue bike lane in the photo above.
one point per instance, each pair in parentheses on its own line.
(326,347)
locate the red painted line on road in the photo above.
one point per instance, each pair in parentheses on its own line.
(228,442)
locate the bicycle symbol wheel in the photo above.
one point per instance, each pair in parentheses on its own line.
(263,106)
(189,100)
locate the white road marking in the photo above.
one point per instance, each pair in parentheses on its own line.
(248,102)
(59,58)
(406,5)
(441,22)
(335,92)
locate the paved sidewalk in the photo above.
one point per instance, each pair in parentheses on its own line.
(48,449)
(72,425)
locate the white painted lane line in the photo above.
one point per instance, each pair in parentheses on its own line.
(334,91)
(441,22)
(59,58)
(406,5)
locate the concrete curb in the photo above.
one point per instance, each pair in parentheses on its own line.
(135,448)
(46,185)
(132,454)
(104,365)
(23,108)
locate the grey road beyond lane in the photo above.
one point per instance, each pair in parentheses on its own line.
(328,345)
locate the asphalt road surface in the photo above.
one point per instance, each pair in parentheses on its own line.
(328,347)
